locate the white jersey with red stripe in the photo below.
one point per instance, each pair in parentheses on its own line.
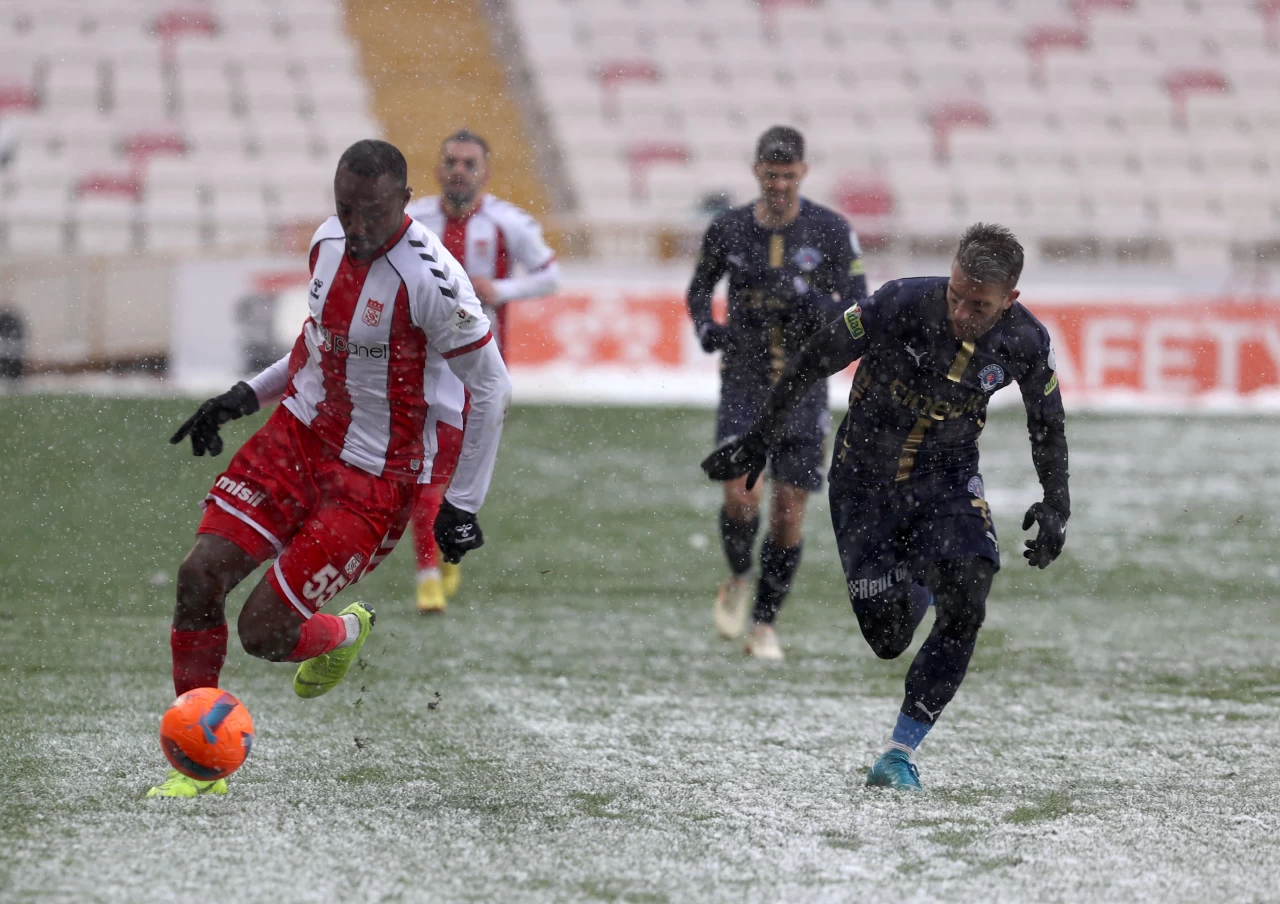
(378,363)
(488,242)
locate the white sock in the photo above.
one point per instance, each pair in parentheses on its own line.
(353,630)
(894,745)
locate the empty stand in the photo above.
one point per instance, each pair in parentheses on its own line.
(173,125)
(1087,123)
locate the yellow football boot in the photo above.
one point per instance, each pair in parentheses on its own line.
(321,674)
(450,578)
(431,595)
(179,785)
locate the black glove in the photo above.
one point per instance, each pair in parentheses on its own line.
(457,532)
(714,336)
(736,456)
(1048,543)
(203,426)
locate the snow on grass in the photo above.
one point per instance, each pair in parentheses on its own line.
(592,740)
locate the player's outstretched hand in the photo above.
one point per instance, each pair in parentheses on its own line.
(457,532)
(1047,544)
(736,456)
(714,337)
(203,426)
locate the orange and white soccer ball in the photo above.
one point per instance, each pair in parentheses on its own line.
(206,734)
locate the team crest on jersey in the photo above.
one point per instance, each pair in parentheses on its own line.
(807,259)
(990,377)
(975,487)
(372,313)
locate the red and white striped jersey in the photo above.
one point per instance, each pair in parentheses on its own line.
(373,371)
(488,242)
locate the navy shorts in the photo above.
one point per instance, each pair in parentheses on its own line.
(888,535)
(796,455)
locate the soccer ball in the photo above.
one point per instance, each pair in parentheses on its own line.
(206,734)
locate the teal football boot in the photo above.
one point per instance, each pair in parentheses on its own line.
(894,770)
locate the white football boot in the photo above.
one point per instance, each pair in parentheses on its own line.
(762,643)
(732,602)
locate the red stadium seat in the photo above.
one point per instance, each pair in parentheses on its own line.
(125,185)
(1182,82)
(643,154)
(613,73)
(14,97)
(948,115)
(1040,39)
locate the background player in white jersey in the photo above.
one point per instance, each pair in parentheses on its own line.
(491,237)
(327,485)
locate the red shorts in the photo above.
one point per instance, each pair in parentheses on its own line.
(287,495)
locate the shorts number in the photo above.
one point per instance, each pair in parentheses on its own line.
(323,586)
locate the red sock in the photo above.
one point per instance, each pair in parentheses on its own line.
(320,634)
(197,657)
(425,510)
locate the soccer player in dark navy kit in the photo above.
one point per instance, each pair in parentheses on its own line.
(907,502)
(792,266)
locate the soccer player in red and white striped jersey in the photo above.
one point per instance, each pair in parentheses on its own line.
(327,485)
(492,238)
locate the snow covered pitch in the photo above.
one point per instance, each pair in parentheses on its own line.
(572,730)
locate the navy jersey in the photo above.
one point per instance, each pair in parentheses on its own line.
(919,399)
(784,285)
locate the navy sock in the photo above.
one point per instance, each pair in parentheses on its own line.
(909,732)
(777,568)
(738,538)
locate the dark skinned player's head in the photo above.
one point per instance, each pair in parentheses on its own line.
(984,279)
(463,171)
(780,167)
(370,190)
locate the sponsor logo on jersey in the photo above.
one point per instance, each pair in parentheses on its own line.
(1053,360)
(934,409)
(462,318)
(807,259)
(333,342)
(866,588)
(975,487)
(239,490)
(856,268)
(316,286)
(1051,385)
(353,563)
(990,377)
(853,320)
(916,356)
(372,312)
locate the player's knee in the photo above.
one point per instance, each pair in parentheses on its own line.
(888,645)
(267,630)
(264,641)
(200,582)
(886,634)
(961,594)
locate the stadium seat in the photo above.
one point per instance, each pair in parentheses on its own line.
(105,224)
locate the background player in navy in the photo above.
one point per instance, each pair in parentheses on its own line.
(792,266)
(907,500)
